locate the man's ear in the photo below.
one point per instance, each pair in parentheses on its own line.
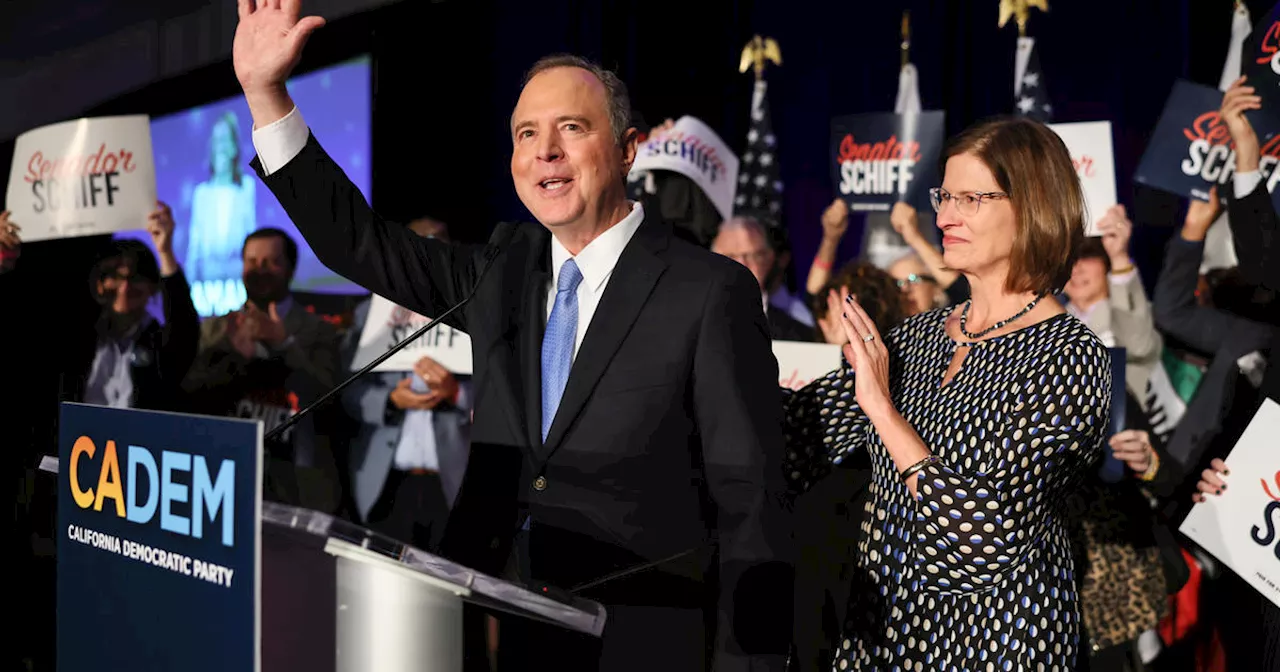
(630,145)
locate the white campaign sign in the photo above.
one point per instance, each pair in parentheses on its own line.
(1091,151)
(388,324)
(801,363)
(82,178)
(692,149)
(1241,527)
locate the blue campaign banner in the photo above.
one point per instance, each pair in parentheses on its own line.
(1261,60)
(1191,149)
(158,541)
(882,158)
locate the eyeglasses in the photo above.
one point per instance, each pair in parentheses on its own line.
(915,279)
(748,258)
(113,278)
(967,203)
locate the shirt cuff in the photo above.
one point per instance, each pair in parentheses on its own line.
(281,140)
(1245,183)
(1123,278)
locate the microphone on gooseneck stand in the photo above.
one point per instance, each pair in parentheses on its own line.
(491,252)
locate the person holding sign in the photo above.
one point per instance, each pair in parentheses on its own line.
(126,358)
(410,453)
(136,362)
(627,442)
(10,243)
(978,421)
(1255,230)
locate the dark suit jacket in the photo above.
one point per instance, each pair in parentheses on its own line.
(163,352)
(300,467)
(783,327)
(1255,228)
(1222,335)
(1256,231)
(667,442)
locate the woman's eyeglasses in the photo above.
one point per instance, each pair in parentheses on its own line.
(912,279)
(967,203)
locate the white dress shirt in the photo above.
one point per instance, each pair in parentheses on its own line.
(110,381)
(596,262)
(280,141)
(1245,183)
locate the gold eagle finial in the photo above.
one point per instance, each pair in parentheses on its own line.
(757,51)
(1021,11)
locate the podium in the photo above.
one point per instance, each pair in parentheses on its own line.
(336,597)
(384,605)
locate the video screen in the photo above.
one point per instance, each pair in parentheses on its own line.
(202,171)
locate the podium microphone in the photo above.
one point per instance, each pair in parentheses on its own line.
(490,253)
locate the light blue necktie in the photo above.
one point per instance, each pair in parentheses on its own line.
(557,342)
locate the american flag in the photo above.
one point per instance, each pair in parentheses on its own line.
(759,187)
(1030,97)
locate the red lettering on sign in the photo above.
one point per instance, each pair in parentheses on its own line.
(1267,489)
(41,167)
(1084,165)
(1270,43)
(851,150)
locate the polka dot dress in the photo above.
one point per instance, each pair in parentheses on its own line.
(975,573)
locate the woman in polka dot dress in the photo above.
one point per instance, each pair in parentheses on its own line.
(978,420)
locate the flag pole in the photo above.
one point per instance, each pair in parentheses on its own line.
(906,37)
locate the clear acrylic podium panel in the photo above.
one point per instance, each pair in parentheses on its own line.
(338,597)
(491,593)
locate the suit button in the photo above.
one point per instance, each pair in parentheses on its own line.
(540,483)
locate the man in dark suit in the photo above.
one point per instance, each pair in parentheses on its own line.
(745,240)
(627,442)
(127,359)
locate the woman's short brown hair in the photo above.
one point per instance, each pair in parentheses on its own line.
(877,293)
(1032,165)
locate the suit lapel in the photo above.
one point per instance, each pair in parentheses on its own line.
(533,321)
(629,286)
(535,294)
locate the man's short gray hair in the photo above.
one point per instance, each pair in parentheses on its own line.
(748,223)
(615,92)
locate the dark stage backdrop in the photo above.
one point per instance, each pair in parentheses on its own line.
(446,76)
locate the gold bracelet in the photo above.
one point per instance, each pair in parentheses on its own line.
(1150,474)
(918,467)
(1121,271)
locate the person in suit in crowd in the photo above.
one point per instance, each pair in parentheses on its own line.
(1253,634)
(782,296)
(409,455)
(1106,293)
(627,440)
(746,241)
(267,360)
(128,359)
